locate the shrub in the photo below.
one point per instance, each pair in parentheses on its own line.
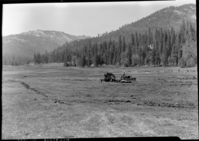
(182,63)
(126,65)
(66,64)
(190,62)
(117,64)
(135,59)
(171,60)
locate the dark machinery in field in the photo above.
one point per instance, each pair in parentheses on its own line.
(110,77)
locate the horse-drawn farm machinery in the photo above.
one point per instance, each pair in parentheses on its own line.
(110,77)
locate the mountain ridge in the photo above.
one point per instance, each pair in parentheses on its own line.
(165,38)
(27,43)
(164,18)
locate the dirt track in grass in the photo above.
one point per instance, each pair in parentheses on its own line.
(50,101)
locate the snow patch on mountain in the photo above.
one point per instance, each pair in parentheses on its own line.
(18,39)
(192,7)
(178,12)
(194,17)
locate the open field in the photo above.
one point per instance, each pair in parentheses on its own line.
(50,101)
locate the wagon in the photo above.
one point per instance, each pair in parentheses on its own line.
(127,79)
(109,77)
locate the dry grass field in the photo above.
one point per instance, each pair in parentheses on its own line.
(52,101)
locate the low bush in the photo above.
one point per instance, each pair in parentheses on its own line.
(182,63)
(190,62)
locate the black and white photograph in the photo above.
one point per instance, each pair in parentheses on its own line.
(99,70)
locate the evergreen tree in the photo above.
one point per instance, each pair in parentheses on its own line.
(136,43)
(38,58)
(133,43)
(123,44)
(82,61)
(35,58)
(153,56)
(119,50)
(95,56)
(129,54)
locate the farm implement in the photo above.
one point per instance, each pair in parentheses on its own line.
(110,77)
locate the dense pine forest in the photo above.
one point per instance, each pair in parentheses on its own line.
(160,47)
(15,60)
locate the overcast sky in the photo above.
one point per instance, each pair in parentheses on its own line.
(88,19)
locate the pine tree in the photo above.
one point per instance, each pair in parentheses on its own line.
(133,43)
(153,56)
(105,58)
(95,56)
(38,58)
(136,43)
(82,61)
(123,44)
(35,58)
(129,54)
(119,50)
(114,53)
(89,54)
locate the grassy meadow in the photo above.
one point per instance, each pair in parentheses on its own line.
(52,101)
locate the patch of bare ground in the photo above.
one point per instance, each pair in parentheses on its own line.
(55,102)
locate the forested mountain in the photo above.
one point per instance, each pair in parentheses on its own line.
(167,18)
(23,46)
(167,37)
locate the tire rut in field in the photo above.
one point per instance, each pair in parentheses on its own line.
(153,104)
(168,105)
(29,88)
(38,92)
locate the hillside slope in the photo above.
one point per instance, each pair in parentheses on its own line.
(166,18)
(156,39)
(170,17)
(28,43)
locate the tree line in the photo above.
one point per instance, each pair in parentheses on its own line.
(165,47)
(13,60)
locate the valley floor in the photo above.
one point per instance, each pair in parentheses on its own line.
(52,101)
